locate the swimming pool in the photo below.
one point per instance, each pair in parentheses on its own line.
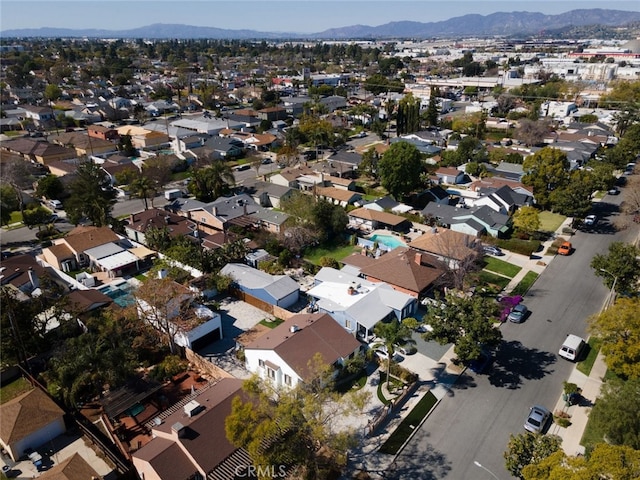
(390,241)
(120,293)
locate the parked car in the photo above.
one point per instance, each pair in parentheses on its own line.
(491,250)
(565,248)
(55,204)
(518,314)
(590,220)
(482,363)
(613,191)
(537,419)
(406,349)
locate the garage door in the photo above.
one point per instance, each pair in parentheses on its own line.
(205,340)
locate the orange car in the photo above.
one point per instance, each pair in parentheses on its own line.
(565,248)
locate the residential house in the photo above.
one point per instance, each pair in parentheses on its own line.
(272,114)
(267,194)
(260,142)
(223,147)
(36,150)
(191,325)
(490,184)
(39,115)
(387,204)
(239,210)
(101,132)
(29,420)
(358,304)
(21,271)
(94,247)
(345,163)
(191,442)
(143,138)
(474,221)
(447,246)
(83,301)
(279,290)
(503,200)
(423,146)
(84,145)
(73,468)
(338,196)
(369,219)
(117,164)
(285,355)
(405,269)
(140,222)
(450,175)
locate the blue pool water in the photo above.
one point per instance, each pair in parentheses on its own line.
(390,241)
(121,294)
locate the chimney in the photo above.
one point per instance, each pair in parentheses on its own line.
(131,219)
(178,429)
(418,258)
(167,219)
(244,208)
(33,278)
(214,211)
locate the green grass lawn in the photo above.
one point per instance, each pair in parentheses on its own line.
(313,255)
(492,278)
(500,266)
(409,424)
(13,389)
(549,222)
(271,324)
(525,284)
(594,347)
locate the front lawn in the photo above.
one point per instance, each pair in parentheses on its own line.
(409,424)
(525,284)
(594,347)
(313,255)
(16,217)
(488,278)
(550,222)
(13,389)
(500,266)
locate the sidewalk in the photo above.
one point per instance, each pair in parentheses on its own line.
(590,386)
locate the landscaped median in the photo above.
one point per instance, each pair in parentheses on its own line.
(412,421)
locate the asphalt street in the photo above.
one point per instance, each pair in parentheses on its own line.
(474,422)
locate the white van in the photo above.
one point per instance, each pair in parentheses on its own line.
(572,347)
(55,204)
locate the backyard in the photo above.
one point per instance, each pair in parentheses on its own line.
(313,255)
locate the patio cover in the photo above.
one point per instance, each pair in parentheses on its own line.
(116,261)
(142,252)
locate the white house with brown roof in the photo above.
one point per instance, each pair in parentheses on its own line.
(285,354)
(338,196)
(368,219)
(29,421)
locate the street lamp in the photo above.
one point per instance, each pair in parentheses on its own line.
(478,464)
(612,292)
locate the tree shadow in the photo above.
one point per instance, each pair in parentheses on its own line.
(419,461)
(515,363)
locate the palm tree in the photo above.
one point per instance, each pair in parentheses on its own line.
(143,187)
(212,181)
(392,334)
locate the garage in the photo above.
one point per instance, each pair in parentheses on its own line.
(205,340)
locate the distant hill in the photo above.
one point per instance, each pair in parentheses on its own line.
(502,23)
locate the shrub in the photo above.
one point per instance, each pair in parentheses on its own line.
(170,366)
(523,247)
(329,262)
(563,422)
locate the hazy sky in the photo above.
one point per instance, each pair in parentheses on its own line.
(303,16)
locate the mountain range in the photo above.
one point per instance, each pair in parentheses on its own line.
(495,24)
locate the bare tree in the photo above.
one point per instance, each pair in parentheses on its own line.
(531,132)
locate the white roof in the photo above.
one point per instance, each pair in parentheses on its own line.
(117,260)
(105,250)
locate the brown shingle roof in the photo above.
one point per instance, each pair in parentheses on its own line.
(157,218)
(446,243)
(86,300)
(27,414)
(73,468)
(17,270)
(84,238)
(402,267)
(374,215)
(337,193)
(318,333)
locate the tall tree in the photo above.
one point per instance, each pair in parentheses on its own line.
(212,182)
(546,170)
(431,115)
(91,195)
(467,322)
(50,187)
(329,219)
(619,329)
(392,333)
(400,168)
(143,187)
(299,426)
(408,116)
(527,220)
(529,448)
(620,265)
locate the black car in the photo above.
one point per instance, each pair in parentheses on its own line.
(482,363)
